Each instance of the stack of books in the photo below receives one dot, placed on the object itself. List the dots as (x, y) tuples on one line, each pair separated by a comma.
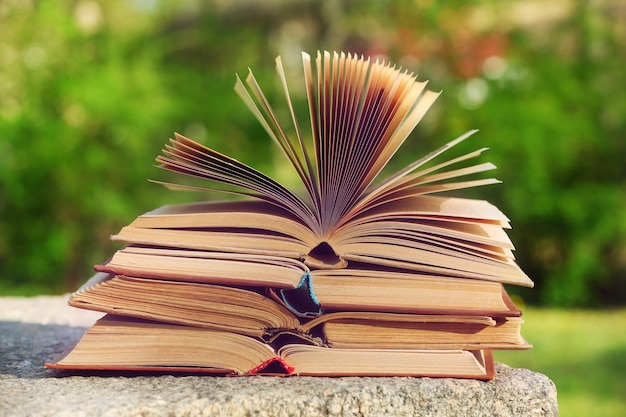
[(359, 273)]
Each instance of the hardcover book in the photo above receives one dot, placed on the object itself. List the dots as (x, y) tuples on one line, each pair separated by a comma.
[(126, 344)]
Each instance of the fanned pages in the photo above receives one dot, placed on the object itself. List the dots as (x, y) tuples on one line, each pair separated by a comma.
[(360, 114)]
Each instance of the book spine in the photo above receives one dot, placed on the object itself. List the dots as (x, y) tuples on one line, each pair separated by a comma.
[(268, 368)]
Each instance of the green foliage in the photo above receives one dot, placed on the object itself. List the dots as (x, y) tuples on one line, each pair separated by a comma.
[(90, 91), (83, 116), (583, 352)]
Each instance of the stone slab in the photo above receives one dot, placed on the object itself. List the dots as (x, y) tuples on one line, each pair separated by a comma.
[(35, 330)]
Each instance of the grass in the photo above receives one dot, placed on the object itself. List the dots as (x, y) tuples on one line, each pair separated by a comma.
[(583, 352)]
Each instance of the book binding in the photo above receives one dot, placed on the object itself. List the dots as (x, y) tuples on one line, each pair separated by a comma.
[(301, 300)]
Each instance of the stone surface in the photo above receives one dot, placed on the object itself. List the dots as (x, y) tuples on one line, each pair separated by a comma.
[(35, 330)]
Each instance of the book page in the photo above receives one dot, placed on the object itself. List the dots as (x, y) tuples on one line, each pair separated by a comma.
[(200, 305), (206, 267)]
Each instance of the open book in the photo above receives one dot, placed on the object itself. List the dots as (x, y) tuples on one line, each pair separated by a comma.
[(313, 292), (360, 114), (250, 312), (127, 344)]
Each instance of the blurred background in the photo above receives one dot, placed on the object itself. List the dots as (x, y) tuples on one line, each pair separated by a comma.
[(91, 90)]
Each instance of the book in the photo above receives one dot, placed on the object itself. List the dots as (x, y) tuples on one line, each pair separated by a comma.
[(359, 272), (127, 344), (389, 331), (434, 237), (360, 114), (312, 292), (249, 312)]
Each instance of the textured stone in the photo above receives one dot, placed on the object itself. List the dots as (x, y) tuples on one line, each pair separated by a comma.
[(35, 330)]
